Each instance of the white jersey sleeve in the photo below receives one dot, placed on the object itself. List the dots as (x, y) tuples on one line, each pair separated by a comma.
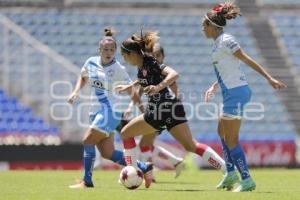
[(84, 70), (124, 75), (231, 44)]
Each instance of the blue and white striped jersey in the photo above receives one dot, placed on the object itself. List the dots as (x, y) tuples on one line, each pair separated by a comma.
[(103, 79)]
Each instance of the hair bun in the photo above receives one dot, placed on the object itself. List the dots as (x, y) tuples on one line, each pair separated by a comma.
[(109, 32)]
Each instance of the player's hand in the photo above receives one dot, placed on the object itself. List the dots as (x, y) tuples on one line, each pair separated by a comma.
[(210, 93), (127, 113), (72, 97), (151, 89), (122, 88), (277, 84)]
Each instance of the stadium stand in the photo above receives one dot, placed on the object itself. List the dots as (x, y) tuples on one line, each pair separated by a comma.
[(19, 125), (74, 33), (278, 2), (288, 29)]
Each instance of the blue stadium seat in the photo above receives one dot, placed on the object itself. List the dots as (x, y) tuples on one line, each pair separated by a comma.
[(186, 50)]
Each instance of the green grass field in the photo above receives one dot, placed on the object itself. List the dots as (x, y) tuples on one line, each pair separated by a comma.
[(281, 184)]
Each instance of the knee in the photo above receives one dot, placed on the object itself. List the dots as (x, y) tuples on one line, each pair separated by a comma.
[(190, 148), (106, 155), (86, 141), (123, 134)]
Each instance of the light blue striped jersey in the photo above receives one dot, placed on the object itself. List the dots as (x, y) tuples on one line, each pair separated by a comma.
[(102, 80)]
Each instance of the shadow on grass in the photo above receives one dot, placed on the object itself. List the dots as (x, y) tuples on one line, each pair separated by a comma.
[(175, 183), (264, 192), (177, 190)]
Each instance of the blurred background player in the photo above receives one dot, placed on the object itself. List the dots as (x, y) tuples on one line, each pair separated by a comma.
[(102, 73), (226, 56), (163, 109)]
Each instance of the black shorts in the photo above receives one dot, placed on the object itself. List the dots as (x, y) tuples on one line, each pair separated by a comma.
[(124, 122), (166, 114)]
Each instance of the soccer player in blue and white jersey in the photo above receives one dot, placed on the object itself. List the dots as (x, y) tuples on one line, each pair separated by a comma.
[(226, 57), (102, 73)]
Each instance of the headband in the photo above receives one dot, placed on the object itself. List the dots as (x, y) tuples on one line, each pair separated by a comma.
[(206, 17)]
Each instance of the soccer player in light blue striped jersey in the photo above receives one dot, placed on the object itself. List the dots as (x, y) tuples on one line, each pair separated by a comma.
[(103, 73), (226, 57)]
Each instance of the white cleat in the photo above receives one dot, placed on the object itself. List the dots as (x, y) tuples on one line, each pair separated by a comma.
[(179, 167)]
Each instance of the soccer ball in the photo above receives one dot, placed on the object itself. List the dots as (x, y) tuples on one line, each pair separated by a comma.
[(131, 178)]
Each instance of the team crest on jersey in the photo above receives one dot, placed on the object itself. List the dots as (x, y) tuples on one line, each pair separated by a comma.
[(144, 72), (110, 73)]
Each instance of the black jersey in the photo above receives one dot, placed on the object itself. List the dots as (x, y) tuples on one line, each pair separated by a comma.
[(150, 74)]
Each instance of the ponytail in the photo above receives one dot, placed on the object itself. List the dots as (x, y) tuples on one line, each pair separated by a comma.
[(222, 12), (141, 44)]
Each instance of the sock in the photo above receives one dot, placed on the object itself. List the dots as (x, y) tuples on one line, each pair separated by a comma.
[(166, 155), (146, 153), (118, 157), (130, 152), (227, 157), (238, 156), (209, 155), (89, 155)]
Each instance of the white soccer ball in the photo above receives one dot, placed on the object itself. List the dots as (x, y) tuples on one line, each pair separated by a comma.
[(131, 177)]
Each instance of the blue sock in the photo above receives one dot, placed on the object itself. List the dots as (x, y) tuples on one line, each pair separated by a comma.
[(89, 155), (142, 166), (227, 157), (238, 156), (118, 157)]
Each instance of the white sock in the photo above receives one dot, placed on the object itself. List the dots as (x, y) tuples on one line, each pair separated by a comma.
[(130, 156), (214, 159), (162, 153), (146, 156)]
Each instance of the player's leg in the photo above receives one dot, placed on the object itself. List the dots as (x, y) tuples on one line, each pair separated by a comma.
[(107, 150), (182, 134), (230, 178), (91, 138), (146, 147), (135, 127), (231, 128)]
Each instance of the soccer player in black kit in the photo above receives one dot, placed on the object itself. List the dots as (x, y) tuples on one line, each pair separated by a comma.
[(163, 108)]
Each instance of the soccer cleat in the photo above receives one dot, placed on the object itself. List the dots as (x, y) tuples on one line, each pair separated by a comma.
[(80, 184), (246, 185), (228, 181), (179, 167)]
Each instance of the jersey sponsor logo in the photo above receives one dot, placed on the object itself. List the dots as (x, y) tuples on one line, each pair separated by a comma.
[(97, 84), (143, 81)]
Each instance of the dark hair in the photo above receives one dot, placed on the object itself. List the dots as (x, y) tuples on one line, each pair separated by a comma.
[(108, 36), (222, 12), (140, 44)]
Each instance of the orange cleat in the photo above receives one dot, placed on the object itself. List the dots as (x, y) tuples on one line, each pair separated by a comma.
[(80, 184), (148, 175)]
